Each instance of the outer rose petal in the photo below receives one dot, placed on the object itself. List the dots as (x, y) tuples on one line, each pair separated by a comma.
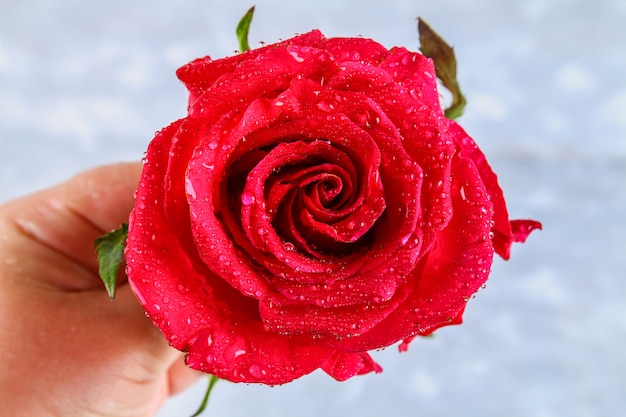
[(342, 366), (201, 73), (362, 50), (503, 236), (521, 229), (416, 73), (265, 77)]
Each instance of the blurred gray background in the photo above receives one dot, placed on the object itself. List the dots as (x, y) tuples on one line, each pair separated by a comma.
[(86, 83)]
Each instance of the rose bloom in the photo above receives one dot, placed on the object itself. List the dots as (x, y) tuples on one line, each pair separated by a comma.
[(315, 204)]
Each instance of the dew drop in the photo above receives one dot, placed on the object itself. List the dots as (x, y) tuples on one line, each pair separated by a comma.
[(247, 198), (256, 371), (407, 59), (189, 189), (295, 56)]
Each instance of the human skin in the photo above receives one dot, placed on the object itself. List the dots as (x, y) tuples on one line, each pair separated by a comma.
[(66, 349)]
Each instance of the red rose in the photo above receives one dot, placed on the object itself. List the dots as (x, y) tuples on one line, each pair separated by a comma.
[(315, 204)]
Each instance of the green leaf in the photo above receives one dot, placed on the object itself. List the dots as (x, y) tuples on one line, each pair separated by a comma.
[(433, 46), (110, 250), (243, 28), (212, 381)]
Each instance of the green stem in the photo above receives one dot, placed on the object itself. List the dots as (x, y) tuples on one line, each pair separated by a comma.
[(212, 381)]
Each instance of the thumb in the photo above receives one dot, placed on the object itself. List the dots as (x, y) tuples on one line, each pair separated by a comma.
[(67, 218)]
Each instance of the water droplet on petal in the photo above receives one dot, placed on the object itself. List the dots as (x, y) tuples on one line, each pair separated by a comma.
[(247, 199), (256, 371), (189, 188), (295, 56)]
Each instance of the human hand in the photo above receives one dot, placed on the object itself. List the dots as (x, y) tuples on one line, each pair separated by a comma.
[(65, 348)]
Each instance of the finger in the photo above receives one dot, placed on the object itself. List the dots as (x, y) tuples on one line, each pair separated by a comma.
[(69, 217), (103, 196), (151, 351), (123, 323), (181, 376)]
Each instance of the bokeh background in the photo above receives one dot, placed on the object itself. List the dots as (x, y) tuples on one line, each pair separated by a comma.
[(86, 83)]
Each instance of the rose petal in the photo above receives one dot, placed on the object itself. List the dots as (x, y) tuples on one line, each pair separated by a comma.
[(521, 229), (416, 73), (200, 74), (266, 76), (456, 267), (503, 235), (343, 366), (362, 50), (359, 77)]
